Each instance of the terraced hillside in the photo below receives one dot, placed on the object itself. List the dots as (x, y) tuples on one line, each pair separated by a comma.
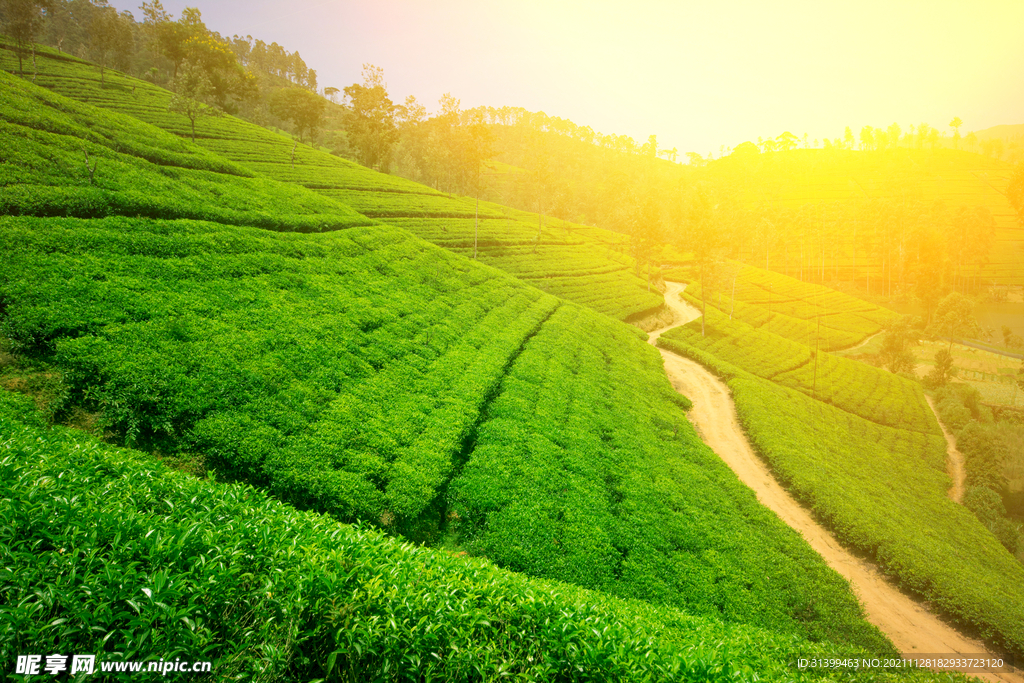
[(290, 595), (861, 449), (575, 262), (813, 315), (371, 375), (65, 159)]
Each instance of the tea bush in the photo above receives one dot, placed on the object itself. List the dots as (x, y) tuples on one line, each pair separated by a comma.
[(104, 551)]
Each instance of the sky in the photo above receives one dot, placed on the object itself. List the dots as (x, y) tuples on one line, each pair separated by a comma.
[(699, 75)]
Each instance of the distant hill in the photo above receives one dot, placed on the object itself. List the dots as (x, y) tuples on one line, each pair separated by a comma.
[(1007, 131), (878, 218)]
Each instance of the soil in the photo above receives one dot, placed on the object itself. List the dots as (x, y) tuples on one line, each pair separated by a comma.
[(907, 622), (954, 461)]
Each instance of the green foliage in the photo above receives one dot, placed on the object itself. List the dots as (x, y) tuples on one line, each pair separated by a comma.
[(22, 20), (988, 507), (273, 354), (106, 552), (31, 112), (294, 362), (953, 413), (896, 354), (993, 453), (192, 89), (585, 470), (942, 371), (361, 373), (955, 316), (110, 36), (302, 107), (807, 313), (370, 121)]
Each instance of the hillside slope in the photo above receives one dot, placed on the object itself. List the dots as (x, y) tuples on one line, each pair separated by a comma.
[(578, 263), (840, 214), (369, 374), (289, 595), (868, 459)]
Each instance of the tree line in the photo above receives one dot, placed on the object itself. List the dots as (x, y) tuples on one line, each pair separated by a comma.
[(209, 73)]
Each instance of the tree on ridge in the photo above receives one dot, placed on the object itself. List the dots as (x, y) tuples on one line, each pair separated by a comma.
[(23, 21), (955, 125), (370, 120)]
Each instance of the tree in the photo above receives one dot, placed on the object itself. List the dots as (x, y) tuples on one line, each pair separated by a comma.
[(895, 354), (922, 135), (300, 106), (892, 135), (170, 37), (943, 370), (644, 230), (191, 91), (786, 141), (866, 137), (216, 59), (704, 237), (955, 316), (111, 36), (848, 140), (971, 234), (62, 22), (23, 19), (929, 276), (650, 148), (955, 125), (370, 120)]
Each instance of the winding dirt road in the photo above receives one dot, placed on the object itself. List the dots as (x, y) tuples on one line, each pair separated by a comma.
[(954, 461), (907, 623)]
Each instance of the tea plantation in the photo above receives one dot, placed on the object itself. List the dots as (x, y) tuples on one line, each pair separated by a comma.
[(434, 216), (869, 460), (363, 373), (869, 392), (811, 314), (65, 158), (105, 551)]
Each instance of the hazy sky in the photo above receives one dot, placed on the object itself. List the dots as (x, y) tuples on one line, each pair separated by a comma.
[(697, 74)]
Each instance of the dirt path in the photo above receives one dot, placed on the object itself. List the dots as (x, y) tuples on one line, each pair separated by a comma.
[(863, 343), (955, 461), (907, 623)]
